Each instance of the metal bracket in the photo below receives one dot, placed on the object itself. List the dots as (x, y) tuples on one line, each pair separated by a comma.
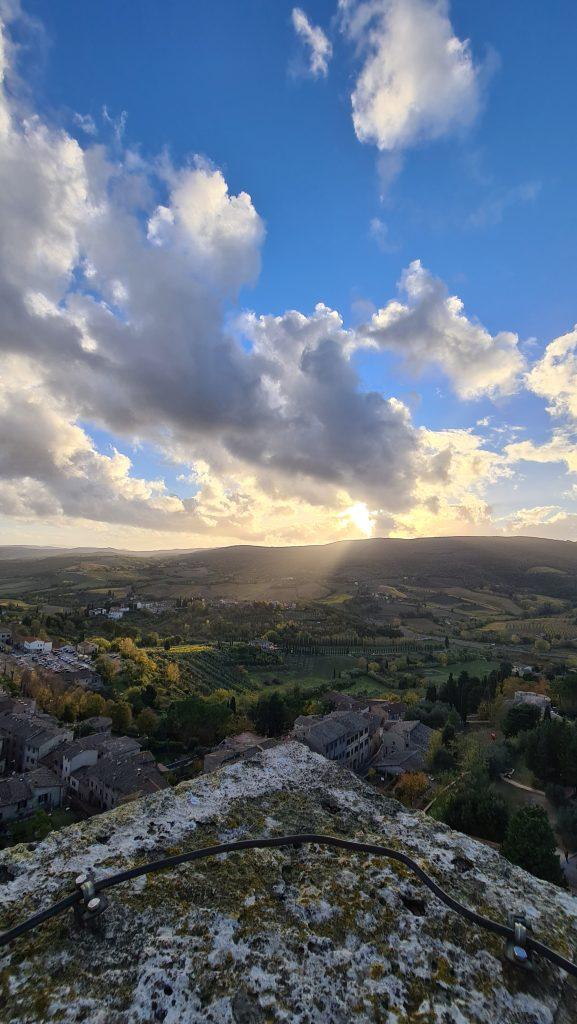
[(516, 948), (90, 908)]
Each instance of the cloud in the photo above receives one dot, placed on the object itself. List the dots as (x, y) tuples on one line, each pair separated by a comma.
[(561, 448), (379, 231), (418, 81), (319, 48), (86, 123), (492, 210), (431, 329), (554, 376), (550, 521), (539, 515), (218, 233), (118, 277)]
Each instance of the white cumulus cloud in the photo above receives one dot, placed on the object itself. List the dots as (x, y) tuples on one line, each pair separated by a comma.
[(419, 81), (554, 376), (431, 328)]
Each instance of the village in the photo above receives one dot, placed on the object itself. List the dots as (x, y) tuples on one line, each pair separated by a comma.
[(107, 702)]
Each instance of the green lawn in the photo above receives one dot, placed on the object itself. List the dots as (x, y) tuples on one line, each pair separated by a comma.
[(309, 673), (480, 667), (371, 688)]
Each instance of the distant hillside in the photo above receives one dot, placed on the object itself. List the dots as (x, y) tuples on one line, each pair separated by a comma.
[(503, 564)]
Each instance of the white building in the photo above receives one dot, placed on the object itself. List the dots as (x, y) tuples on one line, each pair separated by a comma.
[(34, 646), (537, 700), (117, 613)]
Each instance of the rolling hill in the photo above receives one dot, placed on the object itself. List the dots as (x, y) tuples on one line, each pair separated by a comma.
[(502, 564)]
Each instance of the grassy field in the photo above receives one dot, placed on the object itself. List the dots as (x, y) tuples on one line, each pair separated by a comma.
[(480, 667), (308, 673), (371, 688)]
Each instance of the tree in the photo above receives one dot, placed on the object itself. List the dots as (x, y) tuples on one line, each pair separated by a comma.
[(529, 842), (172, 672), (567, 826), (448, 734), (551, 751), (439, 758), (564, 692), (270, 715), (520, 718), (91, 704), (147, 722), (477, 810), (498, 759), (197, 720), (105, 668), (121, 715), (410, 787)]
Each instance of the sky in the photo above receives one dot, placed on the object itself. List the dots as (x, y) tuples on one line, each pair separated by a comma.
[(277, 274)]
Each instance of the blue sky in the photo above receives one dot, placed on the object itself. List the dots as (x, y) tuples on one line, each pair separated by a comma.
[(214, 77), (481, 192)]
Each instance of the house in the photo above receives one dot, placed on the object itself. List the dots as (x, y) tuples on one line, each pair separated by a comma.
[(5, 635), (89, 749), (267, 646), (236, 748), (343, 736), (118, 613), (536, 700), (98, 723), (404, 747), (86, 647), (34, 646), (81, 676), (388, 710), (345, 701), (22, 795), (155, 607), (117, 780), (29, 738)]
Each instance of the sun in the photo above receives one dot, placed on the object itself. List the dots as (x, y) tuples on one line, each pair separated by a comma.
[(359, 515)]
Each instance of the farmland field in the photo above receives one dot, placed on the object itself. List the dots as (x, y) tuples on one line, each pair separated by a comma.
[(548, 626)]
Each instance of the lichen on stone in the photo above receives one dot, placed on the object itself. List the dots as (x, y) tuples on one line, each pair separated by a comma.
[(313, 935)]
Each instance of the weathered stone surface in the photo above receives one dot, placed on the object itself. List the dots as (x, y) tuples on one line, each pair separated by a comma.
[(316, 936)]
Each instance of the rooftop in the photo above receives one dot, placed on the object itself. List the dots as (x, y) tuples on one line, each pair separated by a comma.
[(332, 727)]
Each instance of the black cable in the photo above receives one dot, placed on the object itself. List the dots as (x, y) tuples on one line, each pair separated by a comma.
[(39, 918), (109, 881)]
